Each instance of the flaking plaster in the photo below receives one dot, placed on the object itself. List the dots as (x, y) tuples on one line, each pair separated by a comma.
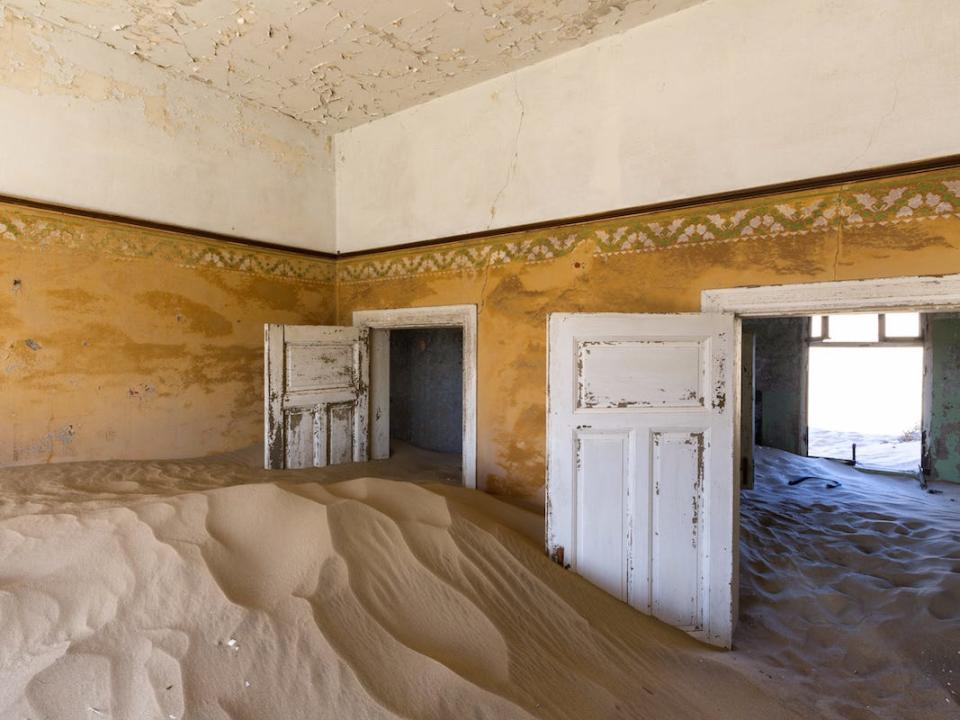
[(87, 126), (339, 63)]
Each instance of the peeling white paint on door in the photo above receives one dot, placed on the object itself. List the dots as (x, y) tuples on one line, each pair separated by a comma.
[(315, 395), (641, 497)]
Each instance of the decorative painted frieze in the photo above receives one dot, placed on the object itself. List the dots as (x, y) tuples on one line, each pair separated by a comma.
[(857, 206), (45, 230), (854, 207)]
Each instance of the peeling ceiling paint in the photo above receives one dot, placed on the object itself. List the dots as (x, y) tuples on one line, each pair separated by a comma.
[(340, 63)]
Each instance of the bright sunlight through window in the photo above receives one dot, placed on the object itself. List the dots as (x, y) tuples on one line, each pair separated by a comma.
[(870, 395)]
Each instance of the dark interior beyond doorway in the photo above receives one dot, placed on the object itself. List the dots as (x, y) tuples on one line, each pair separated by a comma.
[(426, 388), (780, 376)]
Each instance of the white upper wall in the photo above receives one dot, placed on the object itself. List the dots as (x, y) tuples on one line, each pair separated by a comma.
[(89, 126), (728, 94)]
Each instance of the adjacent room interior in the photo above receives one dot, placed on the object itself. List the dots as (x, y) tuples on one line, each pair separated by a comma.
[(874, 390), (842, 513), (426, 389), (512, 359)]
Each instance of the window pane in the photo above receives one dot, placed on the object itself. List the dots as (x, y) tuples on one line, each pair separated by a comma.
[(816, 326), (854, 328), (845, 406), (902, 325)]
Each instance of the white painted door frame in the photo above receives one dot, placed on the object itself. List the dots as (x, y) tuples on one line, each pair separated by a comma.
[(381, 322), (907, 294)]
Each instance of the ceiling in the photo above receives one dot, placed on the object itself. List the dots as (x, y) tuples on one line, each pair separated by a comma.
[(339, 63)]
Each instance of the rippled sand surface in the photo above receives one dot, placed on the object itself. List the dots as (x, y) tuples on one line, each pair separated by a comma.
[(850, 596), (215, 590)]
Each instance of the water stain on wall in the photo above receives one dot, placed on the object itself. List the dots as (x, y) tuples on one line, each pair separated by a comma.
[(197, 317), (247, 290), (76, 299)]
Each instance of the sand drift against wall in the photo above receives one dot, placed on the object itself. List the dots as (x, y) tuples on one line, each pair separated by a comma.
[(142, 590), (215, 591)]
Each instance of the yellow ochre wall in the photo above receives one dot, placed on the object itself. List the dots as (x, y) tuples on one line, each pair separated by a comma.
[(646, 263), (122, 342)]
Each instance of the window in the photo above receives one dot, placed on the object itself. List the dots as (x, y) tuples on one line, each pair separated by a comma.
[(901, 325), (816, 327), (864, 388), (866, 329)]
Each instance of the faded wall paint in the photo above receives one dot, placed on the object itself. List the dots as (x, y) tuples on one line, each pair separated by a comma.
[(118, 342), (426, 388), (85, 125), (649, 263), (780, 379), (722, 96), (944, 439)]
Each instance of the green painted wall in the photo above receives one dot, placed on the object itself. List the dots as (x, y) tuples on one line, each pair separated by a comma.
[(780, 380), (944, 436)]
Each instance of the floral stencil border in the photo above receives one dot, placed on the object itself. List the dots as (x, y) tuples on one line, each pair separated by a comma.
[(843, 208), (37, 229), (852, 207)]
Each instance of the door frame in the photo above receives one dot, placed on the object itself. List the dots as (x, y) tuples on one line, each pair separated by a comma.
[(381, 322), (940, 293), (908, 294)]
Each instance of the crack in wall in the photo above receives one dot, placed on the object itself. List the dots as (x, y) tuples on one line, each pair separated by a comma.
[(512, 170)]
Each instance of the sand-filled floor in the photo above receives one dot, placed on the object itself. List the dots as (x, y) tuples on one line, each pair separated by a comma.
[(215, 590), (850, 596)]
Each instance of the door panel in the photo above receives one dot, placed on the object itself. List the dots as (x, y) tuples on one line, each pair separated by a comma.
[(677, 550), (747, 409), (640, 490), (645, 373), (602, 511), (341, 432), (316, 395), (299, 450)]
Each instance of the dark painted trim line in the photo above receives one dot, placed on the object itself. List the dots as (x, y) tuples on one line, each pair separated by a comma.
[(817, 183), (165, 227), (730, 196)]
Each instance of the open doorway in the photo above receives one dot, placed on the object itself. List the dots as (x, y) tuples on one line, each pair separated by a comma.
[(426, 389), (847, 571), (423, 381), (875, 390)]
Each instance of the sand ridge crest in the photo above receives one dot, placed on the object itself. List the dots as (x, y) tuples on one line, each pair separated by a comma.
[(205, 590)]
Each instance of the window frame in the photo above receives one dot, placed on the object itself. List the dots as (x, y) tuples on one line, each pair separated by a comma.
[(883, 340)]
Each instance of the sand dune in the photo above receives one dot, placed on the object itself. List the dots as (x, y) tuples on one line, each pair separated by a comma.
[(850, 596), (215, 590)]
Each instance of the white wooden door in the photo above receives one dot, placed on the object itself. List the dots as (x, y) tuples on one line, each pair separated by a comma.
[(641, 498), (315, 395)]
